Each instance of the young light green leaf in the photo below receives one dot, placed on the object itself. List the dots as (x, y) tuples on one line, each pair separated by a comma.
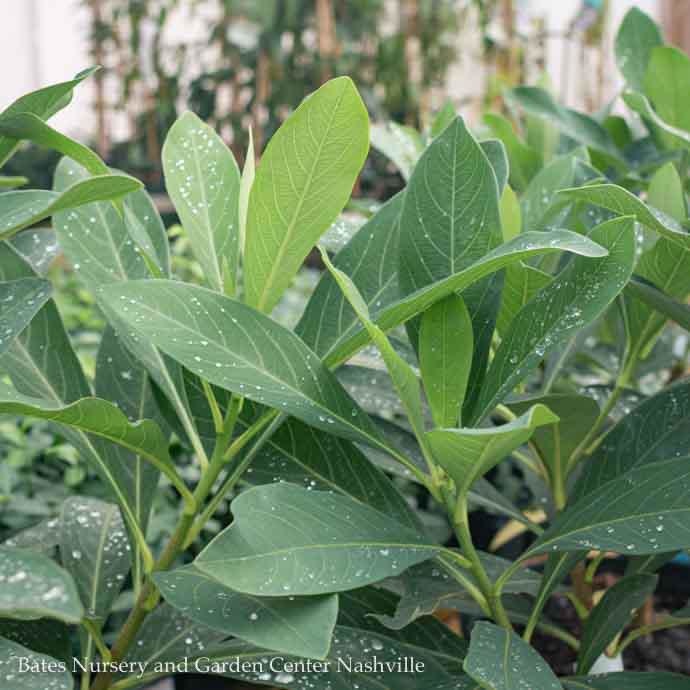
[(22, 209), (522, 247), (203, 181), (637, 36), (654, 431), (21, 300), (450, 221), (304, 180), (95, 550), (328, 318), (300, 626), (14, 658), (241, 350), (500, 660), (623, 202), (576, 297), (401, 144), (611, 614), (495, 151), (286, 540), (44, 103), (246, 183), (644, 511), (467, 454), (34, 586), (445, 357), (640, 104), (511, 215)]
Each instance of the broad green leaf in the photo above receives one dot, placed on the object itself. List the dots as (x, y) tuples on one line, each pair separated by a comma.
[(521, 248), (34, 586), (94, 416), (442, 119), (20, 299), (399, 143), (14, 658), (511, 215), (628, 680), (654, 431), (250, 354), (521, 283), (637, 36), (611, 614), (38, 248), (623, 202), (676, 136), (44, 103), (657, 300), (450, 220), (578, 126), (577, 296), (303, 455), (664, 264), (352, 653), (203, 181), (665, 84), (146, 228), (42, 365), (304, 180), (43, 537), (432, 585), (445, 357), (525, 162), (555, 443), (328, 318), (43, 635), (168, 636), (95, 550), (32, 128), (22, 209), (467, 454), (246, 183), (495, 151), (300, 626), (286, 540), (500, 660), (644, 511)]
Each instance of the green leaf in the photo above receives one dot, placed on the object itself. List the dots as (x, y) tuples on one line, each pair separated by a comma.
[(666, 192), (21, 300), (657, 300), (522, 282), (304, 180), (286, 540), (525, 162), (433, 585), (450, 220), (637, 36), (578, 126), (665, 84), (511, 216), (623, 202), (95, 550), (22, 209), (644, 511), (611, 614), (328, 318), (38, 248), (445, 357), (300, 626), (44, 103), (43, 537), (34, 586), (168, 636), (14, 658), (43, 635), (522, 247), (32, 128), (146, 228), (677, 138), (467, 454), (577, 296), (500, 660), (495, 151), (654, 431), (251, 355), (629, 680), (303, 455), (203, 181), (401, 144), (246, 183)]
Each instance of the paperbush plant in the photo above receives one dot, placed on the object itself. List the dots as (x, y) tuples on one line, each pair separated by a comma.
[(506, 307)]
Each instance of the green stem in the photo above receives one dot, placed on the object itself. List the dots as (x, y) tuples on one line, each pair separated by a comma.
[(95, 635), (648, 629)]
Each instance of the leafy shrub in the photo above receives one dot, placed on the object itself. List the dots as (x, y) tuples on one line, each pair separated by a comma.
[(507, 303)]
